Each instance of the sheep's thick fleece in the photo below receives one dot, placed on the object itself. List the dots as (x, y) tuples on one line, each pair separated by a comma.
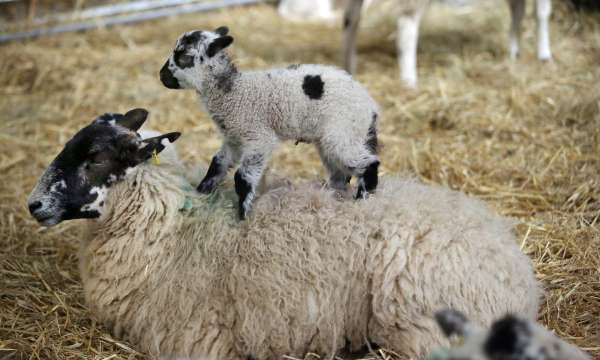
[(306, 272)]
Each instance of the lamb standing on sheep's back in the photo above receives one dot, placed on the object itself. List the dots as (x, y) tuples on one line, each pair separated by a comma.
[(255, 111), (176, 274)]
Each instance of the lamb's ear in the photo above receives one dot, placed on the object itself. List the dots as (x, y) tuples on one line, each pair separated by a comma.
[(218, 44), (133, 119), (222, 30), (452, 322), (155, 144)]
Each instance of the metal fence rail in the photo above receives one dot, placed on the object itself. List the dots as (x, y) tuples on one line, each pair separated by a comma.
[(185, 7)]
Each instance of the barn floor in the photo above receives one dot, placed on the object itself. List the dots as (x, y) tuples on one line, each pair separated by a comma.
[(524, 136)]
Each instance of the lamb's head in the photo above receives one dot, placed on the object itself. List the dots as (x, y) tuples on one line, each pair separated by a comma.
[(76, 183), (509, 338), (194, 53)]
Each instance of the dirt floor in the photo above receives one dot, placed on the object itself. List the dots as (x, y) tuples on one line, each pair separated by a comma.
[(524, 136)]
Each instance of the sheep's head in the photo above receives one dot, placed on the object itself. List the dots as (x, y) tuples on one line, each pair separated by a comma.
[(509, 338), (75, 184), (194, 51)]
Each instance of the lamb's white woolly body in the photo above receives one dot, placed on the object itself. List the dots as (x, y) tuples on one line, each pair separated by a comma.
[(306, 272), (263, 108)]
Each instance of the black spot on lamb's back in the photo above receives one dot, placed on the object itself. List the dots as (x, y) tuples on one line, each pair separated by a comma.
[(293, 67), (313, 86)]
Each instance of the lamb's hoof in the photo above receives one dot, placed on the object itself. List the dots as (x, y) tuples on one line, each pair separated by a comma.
[(242, 214), (361, 194), (207, 186)]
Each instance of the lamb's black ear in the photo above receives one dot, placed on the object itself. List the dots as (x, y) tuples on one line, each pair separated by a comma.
[(222, 30), (451, 322), (133, 119), (153, 144), (218, 44)]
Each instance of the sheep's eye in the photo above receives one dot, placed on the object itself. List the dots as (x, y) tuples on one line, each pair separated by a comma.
[(183, 60), (96, 159)]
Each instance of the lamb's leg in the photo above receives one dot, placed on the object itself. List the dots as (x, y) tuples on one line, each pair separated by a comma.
[(543, 11), (223, 160), (407, 41), (517, 11), (247, 179), (338, 178), (351, 21), (367, 182)]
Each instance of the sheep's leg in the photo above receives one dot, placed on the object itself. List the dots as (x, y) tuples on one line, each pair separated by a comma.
[(351, 21), (408, 38), (367, 181), (543, 11), (223, 160), (338, 178), (517, 11), (247, 179)]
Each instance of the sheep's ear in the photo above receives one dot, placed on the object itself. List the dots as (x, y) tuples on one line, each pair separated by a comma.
[(218, 44), (451, 322), (133, 119), (155, 145), (222, 30)]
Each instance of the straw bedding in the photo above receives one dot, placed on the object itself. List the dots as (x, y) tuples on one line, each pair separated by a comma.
[(523, 136)]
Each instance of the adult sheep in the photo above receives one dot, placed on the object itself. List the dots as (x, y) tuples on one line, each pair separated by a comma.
[(176, 274)]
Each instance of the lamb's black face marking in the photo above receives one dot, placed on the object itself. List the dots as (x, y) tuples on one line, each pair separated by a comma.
[(75, 184), (167, 78), (313, 86), (508, 337)]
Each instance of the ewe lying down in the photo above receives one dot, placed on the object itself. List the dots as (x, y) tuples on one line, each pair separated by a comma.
[(176, 274)]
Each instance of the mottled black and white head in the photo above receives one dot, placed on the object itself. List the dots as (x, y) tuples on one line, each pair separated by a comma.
[(509, 338), (194, 52), (76, 183)]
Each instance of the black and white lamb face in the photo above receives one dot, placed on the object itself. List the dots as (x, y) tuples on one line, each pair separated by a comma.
[(509, 338), (76, 183), (194, 51)]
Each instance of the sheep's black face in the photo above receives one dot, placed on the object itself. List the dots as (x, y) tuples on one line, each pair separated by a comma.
[(76, 183), (193, 50)]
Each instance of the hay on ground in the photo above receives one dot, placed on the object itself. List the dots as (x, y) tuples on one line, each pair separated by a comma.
[(524, 136)]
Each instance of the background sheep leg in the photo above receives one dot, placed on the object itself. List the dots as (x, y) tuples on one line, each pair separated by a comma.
[(220, 164), (247, 179), (543, 11), (351, 21), (517, 11), (407, 41)]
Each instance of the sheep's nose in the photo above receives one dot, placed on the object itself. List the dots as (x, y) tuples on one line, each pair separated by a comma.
[(33, 206)]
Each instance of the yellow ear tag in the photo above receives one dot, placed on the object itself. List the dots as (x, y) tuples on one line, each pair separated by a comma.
[(155, 157)]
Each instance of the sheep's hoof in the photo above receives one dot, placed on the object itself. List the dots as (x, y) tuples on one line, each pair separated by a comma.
[(207, 186), (242, 213)]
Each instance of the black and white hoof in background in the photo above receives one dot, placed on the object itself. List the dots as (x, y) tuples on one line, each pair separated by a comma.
[(367, 183)]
